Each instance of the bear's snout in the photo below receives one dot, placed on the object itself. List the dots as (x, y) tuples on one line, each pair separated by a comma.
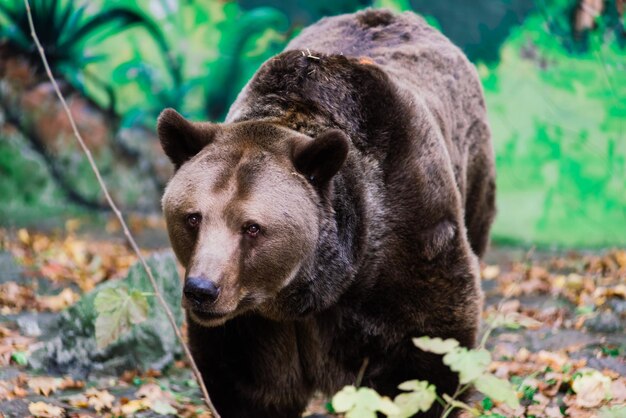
[(200, 291)]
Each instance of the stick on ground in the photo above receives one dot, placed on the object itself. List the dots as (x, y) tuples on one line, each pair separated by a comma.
[(118, 214)]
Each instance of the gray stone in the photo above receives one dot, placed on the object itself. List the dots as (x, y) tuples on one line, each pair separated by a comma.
[(149, 345), (28, 325), (9, 270), (15, 408), (604, 323), (618, 306)]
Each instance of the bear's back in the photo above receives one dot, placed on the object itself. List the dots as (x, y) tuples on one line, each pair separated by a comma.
[(432, 73), (418, 58)]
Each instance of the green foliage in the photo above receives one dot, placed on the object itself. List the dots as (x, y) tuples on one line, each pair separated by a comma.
[(420, 397), (20, 358), (528, 392), (497, 389), (487, 403), (470, 364), (118, 309), (436, 345), (472, 368), (362, 403)]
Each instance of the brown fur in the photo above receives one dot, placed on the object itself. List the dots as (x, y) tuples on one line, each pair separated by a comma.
[(368, 166)]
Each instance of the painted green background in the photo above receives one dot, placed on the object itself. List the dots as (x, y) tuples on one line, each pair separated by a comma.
[(557, 102)]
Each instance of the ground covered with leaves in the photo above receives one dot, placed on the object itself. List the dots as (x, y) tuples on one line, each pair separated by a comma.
[(568, 361)]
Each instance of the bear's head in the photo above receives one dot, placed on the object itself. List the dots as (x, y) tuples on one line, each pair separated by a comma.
[(247, 214)]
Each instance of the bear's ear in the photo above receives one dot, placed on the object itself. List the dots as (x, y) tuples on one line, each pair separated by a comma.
[(320, 159), (181, 139)]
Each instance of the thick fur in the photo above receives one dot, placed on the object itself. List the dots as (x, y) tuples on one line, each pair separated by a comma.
[(393, 204)]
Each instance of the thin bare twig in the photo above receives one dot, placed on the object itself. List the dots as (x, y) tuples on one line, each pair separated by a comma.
[(359, 377), (118, 214)]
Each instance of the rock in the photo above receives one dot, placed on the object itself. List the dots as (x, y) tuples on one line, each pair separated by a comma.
[(605, 323), (15, 408), (618, 306), (28, 325), (9, 268), (149, 345)]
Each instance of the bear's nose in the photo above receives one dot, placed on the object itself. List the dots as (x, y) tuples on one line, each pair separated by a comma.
[(199, 290)]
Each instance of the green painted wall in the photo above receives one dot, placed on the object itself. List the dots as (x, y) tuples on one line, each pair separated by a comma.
[(557, 102)]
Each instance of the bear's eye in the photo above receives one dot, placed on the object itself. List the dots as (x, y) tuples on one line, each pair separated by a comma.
[(253, 230), (193, 220)]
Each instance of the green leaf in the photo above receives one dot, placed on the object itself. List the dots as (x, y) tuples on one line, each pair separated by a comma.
[(421, 397), (344, 400), (528, 392), (499, 389), (461, 405), (19, 357), (487, 403), (436, 345), (362, 402), (470, 364), (367, 398), (387, 406), (117, 310), (361, 412)]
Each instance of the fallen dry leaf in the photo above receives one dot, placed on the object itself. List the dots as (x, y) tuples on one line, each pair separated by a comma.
[(592, 388), (78, 401), (153, 392), (44, 385), (135, 405), (99, 399), (618, 391), (490, 272), (69, 383), (44, 410), (56, 303)]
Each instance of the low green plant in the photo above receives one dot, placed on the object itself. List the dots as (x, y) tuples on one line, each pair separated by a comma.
[(419, 396), (118, 309)]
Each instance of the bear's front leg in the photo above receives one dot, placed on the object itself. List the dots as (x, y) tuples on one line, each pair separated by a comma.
[(251, 367)]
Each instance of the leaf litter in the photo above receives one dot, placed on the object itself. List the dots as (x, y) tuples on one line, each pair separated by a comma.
[(556, 294)]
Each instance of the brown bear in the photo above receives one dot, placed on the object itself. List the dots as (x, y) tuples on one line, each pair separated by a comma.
[(338, 212)]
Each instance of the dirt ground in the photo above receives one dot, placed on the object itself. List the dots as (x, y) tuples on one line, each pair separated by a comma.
[(578, 296)]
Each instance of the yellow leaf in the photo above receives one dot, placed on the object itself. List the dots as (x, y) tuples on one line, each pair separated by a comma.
[(135, 405), (79, 401), (23, 235)]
